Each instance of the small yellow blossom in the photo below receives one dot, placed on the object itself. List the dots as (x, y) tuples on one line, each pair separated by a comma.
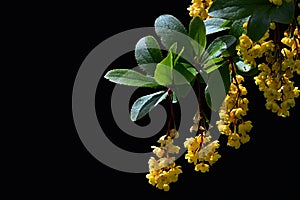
[(202, 167), (199, 8), (163, 171), (236, 106), (201, 151)]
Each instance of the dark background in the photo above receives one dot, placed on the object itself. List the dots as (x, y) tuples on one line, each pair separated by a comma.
[(264, 166)]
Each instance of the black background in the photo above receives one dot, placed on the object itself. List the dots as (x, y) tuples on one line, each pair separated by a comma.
[(266, 165)]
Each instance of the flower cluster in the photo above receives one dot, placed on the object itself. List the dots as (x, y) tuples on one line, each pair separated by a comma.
[(201, 151), (274, 79), (200, 8), (251, 51), (277, 61), (163, 171), (232, 112)]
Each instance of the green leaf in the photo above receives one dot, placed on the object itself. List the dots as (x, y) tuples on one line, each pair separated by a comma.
[(235, 9), (197, 32), (166, 27), (148, 68), (216, 88), (283, 14), (259, 23), (191, 69), (145, 104), (130, 78), (226, 76), (207, 97), (147, 50), (163, 73), (218, 46), (147, 54), (170, 71), (170, 22), (175, 54), (171, 30), (261, 13), (214, 25)]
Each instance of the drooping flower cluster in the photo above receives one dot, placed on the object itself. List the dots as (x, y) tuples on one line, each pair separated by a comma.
[(163, 169), (250, 51), (275, 78), (277, 61), (199, 8), (232, 112), (201, 151)]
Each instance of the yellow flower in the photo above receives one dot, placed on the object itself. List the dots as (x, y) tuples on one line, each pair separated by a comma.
[(250, 50), (192, 143), (159, 152), (272, 105), (245, 41), (164, 171), (151, 178), (202, 167), (191, 157), (245, 127), (199, 8), (213, 158), (245, 138), (201, 151), (234, 140)]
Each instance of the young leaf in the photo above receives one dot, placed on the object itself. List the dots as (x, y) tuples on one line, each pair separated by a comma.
[(130, 78), (163, 73), (177, 56), (197, 32), (145, 104), (147, 54)]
